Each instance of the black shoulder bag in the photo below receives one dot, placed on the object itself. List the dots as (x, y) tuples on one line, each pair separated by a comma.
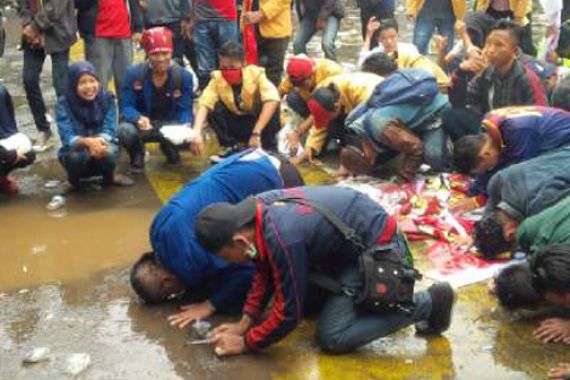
[(388, 280)]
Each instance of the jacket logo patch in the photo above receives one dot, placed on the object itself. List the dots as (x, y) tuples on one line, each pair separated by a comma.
[(177, 93), (137, 85)]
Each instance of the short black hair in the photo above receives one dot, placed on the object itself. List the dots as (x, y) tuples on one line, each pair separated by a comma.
[(466, 152), (550, 267), (327, 96), (488, 236), (231, 49), (387, 23), (514, 30), (147, 263), (380, 64), (514, 287), (561, 94)]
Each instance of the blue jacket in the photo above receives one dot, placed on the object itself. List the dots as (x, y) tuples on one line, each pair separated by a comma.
[(173, 237), (136, 94), (70, 130), (524, 133), (527, 188), (295, 240)]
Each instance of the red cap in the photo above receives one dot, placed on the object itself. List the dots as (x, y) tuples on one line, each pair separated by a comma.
[(321, 116), (300, 68), (157, 39)]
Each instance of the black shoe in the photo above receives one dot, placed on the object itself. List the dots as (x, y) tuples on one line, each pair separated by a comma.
[(442, 301), (137, 163), (171, 153), (224, 153)]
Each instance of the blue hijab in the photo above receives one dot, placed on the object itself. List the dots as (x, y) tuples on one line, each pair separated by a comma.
[(89, 113)]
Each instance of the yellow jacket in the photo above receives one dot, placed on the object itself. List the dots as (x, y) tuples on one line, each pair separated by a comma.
[(354, 88), (324, 68), (255, 90), (413, 7), (520, 8), (277, 22), (422, 62)]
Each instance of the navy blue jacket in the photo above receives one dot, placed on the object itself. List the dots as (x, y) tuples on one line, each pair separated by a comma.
[(136, 94), (173, 237), (524, 133), (294, 240), (527, 188), (7, 125)]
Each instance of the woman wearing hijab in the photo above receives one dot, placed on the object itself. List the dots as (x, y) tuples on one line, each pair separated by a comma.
[(87, 121)]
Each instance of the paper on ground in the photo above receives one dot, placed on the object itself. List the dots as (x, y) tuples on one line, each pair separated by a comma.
[(178, 134), (18, 142), (467, 276)]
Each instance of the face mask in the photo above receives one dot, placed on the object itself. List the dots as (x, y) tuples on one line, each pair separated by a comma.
[(232, 76), (251, 251)]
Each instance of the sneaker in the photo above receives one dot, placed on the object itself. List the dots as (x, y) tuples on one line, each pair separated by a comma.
[(442, 300), (8, 186), (137, 163), (224, 153), (43, 142), (119, 180), (354, 162)]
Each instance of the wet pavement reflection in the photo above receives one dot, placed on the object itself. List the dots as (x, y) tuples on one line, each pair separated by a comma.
[(64, 285)]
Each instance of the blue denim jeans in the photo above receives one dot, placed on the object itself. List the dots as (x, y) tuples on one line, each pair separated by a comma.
[(308, 28), (436, 152), (33, 63), (111, 58), (425, 26), (79, 164), (208, 37), (342, 327)]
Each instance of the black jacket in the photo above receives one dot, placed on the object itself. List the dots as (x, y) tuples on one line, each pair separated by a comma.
[(55, 19)]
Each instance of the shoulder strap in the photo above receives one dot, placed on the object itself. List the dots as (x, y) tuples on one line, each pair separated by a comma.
[(348, 232), (177, 77)]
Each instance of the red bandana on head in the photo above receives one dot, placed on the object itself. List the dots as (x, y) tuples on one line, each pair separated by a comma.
[(157, 39), (321, 116), (300, 68)]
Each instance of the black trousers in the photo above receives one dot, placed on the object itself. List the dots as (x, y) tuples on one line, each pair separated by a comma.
[(232, 129), (271, 53), (5, 168)]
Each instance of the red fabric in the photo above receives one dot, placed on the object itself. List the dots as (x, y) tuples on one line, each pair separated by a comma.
[(224, 8), (321, 116), (157, 39), (537, 89), (300, 68), (250, 53), (254, 303), (232, 76), (113, 20), (389, 231)]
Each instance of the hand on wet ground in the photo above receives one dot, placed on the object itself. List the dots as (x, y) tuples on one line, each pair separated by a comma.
[(560, 372), (191, 313), (553, 330), (228, 343)]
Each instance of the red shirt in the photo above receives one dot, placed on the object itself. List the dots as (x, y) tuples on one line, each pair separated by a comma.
[(113, 19)]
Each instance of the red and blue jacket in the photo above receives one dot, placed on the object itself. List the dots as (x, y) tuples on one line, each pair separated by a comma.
[(523, 133), (294, 240)]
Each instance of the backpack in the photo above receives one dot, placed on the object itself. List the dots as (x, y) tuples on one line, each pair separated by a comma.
[(416, 87), (177, 77)]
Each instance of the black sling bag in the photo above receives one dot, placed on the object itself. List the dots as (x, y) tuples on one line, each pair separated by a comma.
[(388, 280)]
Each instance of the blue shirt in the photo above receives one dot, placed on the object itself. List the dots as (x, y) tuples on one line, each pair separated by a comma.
[(173, 236)]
